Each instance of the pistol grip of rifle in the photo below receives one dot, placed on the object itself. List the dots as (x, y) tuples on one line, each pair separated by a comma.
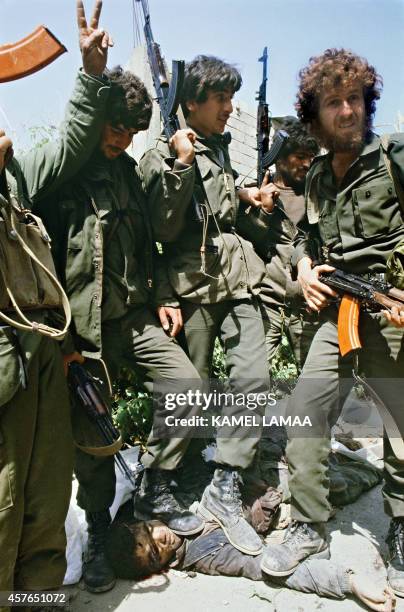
[(348, 325)]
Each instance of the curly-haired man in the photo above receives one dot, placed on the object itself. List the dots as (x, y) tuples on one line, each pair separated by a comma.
[(354, 217)]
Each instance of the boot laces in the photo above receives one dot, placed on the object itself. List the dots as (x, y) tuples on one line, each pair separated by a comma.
[(232, 493), (396, 539), (298, 533), (165, 495), (97, 535), (167, 499)]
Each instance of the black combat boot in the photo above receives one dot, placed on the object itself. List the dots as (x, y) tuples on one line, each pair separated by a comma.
[(155, 500), (221, 502), (302, 540), (98, 575), (395, 567), (192, 477)]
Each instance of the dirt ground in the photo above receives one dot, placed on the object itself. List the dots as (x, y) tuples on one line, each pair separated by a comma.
[(357, 533)]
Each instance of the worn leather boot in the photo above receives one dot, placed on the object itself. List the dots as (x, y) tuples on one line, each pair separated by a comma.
[(155, 500), (192, 477), (302, 540), (221, 503), (98, 575), (395, 566)]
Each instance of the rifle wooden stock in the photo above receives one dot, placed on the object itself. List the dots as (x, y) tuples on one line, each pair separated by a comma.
[(29, 54), (387, 302), (397, 294), (348, 325)]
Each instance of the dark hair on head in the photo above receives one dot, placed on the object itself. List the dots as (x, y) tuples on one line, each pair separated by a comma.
[(335, 68), (300, 138), (208, 73), (129, 101), (132, 551)]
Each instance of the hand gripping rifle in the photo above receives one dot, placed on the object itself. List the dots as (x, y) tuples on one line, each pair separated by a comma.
[(357, 291), (84, 387), (168, 94), (266, 158)]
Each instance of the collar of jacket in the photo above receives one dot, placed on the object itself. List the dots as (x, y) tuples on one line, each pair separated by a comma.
[(319, 166), (101, 169), (211, 143)]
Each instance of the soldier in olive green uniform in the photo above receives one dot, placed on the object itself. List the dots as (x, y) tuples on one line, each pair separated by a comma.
[(353, 214), (105, 253), (36, 446), (272, 232), (214, 272)]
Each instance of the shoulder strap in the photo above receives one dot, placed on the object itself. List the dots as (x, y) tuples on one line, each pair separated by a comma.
[(385, 141), (27, 324), (312, 207)]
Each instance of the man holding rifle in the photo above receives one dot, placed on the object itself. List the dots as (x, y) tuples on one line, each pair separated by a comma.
[(271, 228), (354, 218), (213, 271)]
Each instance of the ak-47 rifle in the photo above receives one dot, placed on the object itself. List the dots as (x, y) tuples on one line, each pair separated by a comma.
[(266, 158), (84, 386), (357, 291), (29, 54), (168, 93)]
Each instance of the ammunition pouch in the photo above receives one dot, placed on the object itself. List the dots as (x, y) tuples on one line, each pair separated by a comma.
[(28, 279)]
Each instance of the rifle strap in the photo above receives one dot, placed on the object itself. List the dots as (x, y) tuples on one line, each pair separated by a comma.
[(391, 428), (26, 324), (102, 451), (385, 140)]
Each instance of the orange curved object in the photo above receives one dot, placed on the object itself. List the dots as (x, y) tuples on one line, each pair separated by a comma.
[(348, 325), (29, 54)]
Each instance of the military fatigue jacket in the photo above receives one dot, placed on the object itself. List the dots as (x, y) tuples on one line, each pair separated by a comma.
[(355, 225), (103, 246), (38, 174), (233, 269), (272, 235)]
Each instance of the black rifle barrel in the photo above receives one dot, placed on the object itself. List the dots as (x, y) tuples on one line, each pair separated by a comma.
[(263, 122), (168, 94)]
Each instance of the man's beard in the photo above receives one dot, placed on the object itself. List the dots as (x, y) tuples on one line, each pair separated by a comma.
[(344, 143), (296, 184)]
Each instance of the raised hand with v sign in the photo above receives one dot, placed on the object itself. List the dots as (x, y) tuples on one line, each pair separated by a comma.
[(94, 41)]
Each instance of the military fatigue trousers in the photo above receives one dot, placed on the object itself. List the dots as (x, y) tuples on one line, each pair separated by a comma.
[(298, 329), (36, 464), (239, 326), (320, 393), (136, 340)]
